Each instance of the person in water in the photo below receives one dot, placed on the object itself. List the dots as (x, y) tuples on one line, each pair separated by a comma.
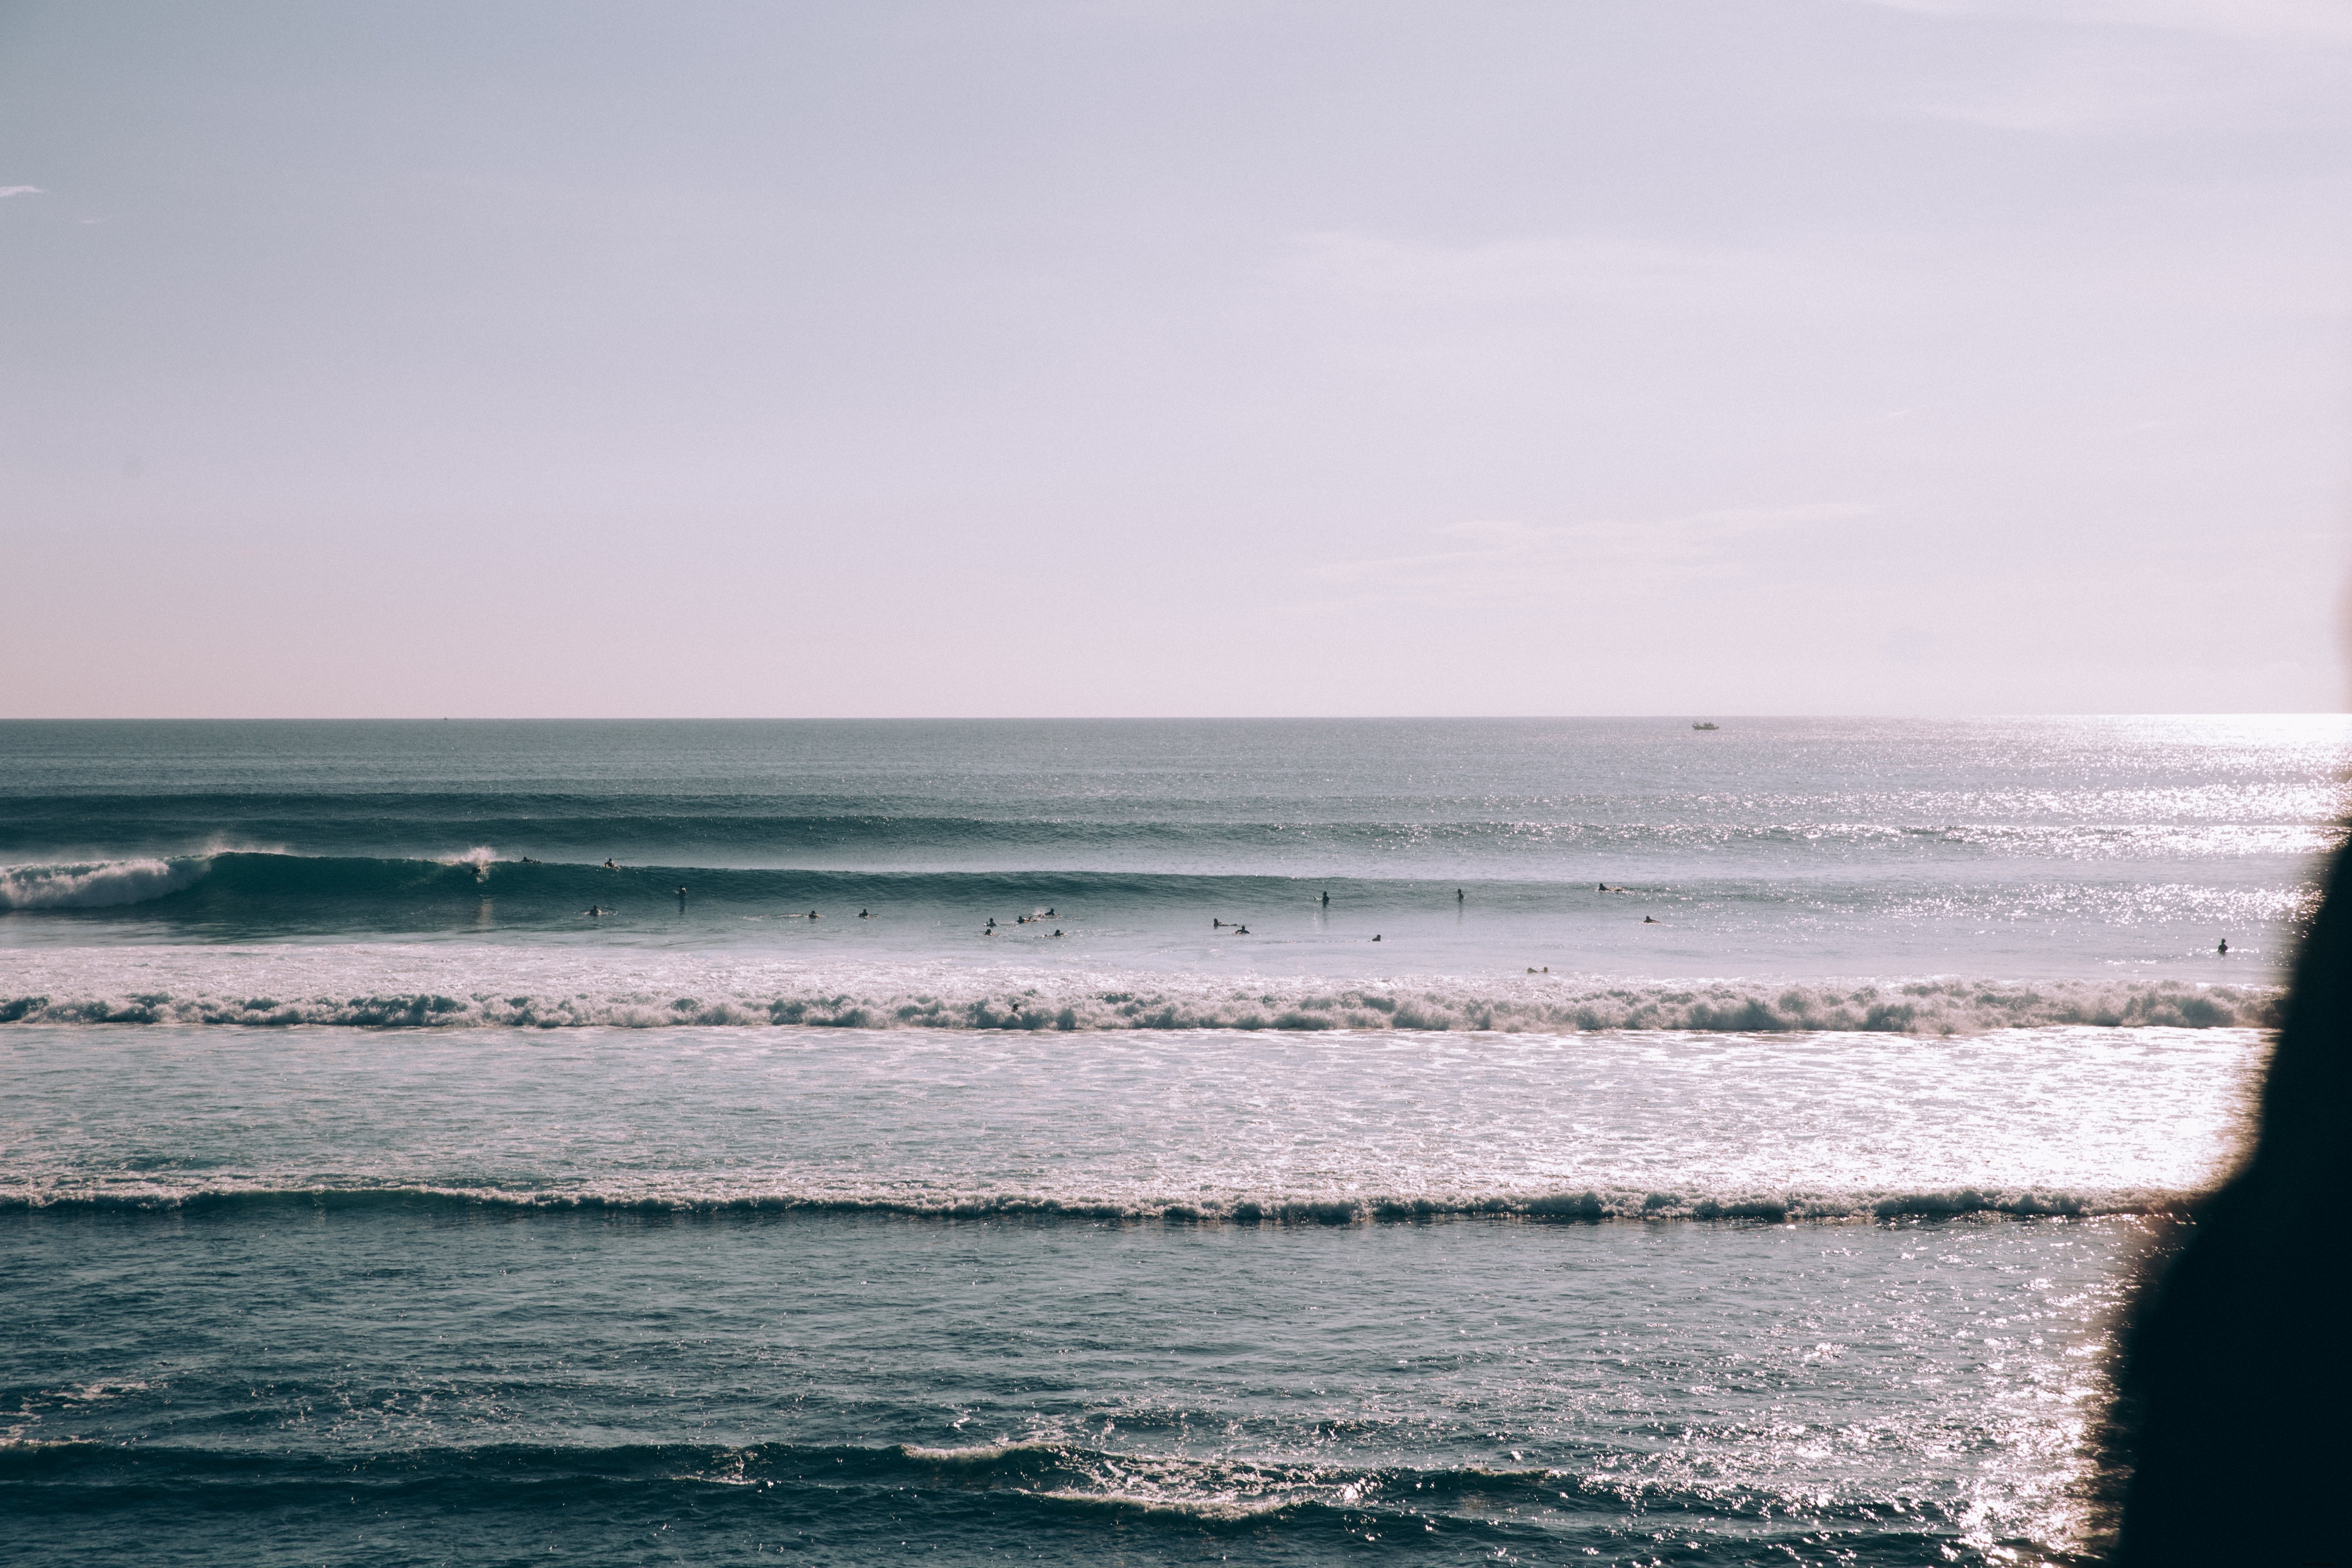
[(1057, 930), (591, 910), (812, 914), (1649, 920), (1376, 936), (865, 915), (1326, 899), (610, 867), (2224, 949), (1457, 895), (1240, 930)]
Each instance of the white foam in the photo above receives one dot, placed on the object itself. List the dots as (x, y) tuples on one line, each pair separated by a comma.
[(1316, 1129), (381, 986)]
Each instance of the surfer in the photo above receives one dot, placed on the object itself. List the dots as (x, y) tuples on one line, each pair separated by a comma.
[(1649, 920), (1240, 930), (1057, 930), (812, 914), (1376, 936), (2224, 949), (1216, 924), (610, 867), (864, 915), (1326, 899), (1457, 895), (1049, 914), (591, 910), (681, 892)]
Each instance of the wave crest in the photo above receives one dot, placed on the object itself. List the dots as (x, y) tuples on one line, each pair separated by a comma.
[(1771, 1206), (1938, 1006), (97, 884)]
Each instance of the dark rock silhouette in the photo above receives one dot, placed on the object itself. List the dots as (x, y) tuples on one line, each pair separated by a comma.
[(2232, 1427)]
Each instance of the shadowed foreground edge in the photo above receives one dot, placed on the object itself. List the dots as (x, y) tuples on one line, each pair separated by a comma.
[(2235, 1404)]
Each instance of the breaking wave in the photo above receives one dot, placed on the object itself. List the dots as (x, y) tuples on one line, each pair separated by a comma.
[(97, 884), (1062, 1492), (982, 1000), (677, 1196)]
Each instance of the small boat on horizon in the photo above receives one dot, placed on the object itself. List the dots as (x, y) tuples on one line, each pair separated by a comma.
[(1704, 725)]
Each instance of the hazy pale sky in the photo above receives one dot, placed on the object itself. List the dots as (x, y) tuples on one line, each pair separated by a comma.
[(1763, 356)]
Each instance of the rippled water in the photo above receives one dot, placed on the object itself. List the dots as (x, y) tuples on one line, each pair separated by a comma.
[(690, 1294)]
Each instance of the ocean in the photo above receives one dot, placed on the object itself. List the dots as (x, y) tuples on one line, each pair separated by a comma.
[(1561, 1142)]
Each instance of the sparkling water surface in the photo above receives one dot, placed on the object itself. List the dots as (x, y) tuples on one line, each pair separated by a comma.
[(1734, 1150)]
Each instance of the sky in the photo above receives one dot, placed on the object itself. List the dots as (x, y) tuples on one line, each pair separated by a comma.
[(1586, 357)]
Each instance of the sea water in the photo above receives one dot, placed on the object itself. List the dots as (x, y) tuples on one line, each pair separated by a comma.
[(1732, 1148)]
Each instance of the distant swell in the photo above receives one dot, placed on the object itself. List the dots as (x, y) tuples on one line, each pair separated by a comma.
[(979, 1000)]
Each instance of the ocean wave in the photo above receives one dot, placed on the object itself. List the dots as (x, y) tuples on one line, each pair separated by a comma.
[(1046, 1481), (97, 884), (999, 1000), (1591, 1205)]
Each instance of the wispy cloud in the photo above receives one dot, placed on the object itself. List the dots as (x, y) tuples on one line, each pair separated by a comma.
[(1498, 562), (22, 191), (2164, 66), (1519, 268), (2286, 20)]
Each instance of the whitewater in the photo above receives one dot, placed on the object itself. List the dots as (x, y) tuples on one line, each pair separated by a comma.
[(1564, 1141)]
